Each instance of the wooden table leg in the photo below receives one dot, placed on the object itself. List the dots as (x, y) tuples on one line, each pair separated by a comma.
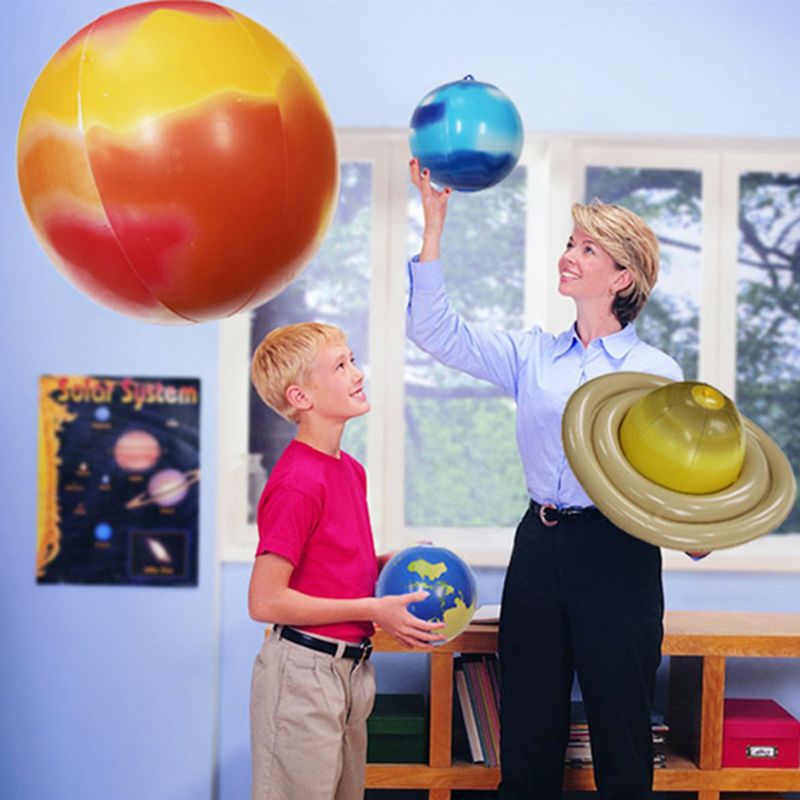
[(440, 750), (712, 713)]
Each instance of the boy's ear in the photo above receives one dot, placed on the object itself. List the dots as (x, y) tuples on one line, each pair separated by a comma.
[(297, 398)]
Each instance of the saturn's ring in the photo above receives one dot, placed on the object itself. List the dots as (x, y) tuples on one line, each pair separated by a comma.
[(146, 498), (754, 504)]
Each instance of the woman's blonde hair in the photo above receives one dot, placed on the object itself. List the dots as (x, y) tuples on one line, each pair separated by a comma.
[(284, 356), (628, 239)]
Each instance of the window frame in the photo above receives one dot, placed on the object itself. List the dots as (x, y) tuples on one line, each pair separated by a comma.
[(556, 168)]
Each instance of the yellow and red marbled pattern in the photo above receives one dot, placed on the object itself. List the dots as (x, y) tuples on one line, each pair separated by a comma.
[(177, 162)]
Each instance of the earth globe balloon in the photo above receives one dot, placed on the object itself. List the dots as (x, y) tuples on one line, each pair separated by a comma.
[(468, 134), (448, 579)]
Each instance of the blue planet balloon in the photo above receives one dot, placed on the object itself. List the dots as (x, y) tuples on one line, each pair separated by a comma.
[(468, 134), (450, 583)]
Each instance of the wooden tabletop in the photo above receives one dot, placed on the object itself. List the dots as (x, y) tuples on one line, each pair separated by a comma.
[(686, 633), (731, 633)]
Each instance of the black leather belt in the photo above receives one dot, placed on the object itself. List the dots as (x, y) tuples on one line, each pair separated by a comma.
[(550, 516), (358, 652)]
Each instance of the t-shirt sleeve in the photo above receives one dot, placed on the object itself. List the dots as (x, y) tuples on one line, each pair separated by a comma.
[(286, 518), (361, 473)]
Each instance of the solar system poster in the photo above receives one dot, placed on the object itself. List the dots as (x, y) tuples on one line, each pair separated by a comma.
[(118, 480)]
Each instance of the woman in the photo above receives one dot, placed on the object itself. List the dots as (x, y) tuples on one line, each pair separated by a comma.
[(580, 596)]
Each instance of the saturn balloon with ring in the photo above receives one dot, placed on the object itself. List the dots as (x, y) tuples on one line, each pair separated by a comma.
[(674, 463)]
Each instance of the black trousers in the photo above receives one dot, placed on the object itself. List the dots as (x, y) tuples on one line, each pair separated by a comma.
[(581, 597)]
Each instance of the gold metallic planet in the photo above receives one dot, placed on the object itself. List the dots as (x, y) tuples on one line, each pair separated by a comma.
[(680, 434), (684, 436)]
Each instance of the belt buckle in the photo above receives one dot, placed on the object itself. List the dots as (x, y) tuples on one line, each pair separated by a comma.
[(366, 650), (548, 523)]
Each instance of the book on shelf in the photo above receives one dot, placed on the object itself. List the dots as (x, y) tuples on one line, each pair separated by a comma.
[(488, 614), (467, 712), (477, 687), (579, 752), (477, 692), (489, 700), (473, 666)]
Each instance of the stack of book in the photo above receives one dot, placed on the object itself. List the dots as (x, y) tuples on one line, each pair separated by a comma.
[(477, 687), (579, 752)]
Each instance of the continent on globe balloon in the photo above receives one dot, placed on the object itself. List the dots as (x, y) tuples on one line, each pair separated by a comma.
[(448, 579)]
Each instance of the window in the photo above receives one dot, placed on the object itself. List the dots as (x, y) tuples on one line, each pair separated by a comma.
[(462, 468), (768, 310), (439, 447), (670, 200), (333, 288)]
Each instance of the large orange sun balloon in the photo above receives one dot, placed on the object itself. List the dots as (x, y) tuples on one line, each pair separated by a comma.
[(177, 162)]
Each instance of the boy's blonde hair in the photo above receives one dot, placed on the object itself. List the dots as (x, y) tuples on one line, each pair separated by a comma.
[(284, 357), (628, 239)]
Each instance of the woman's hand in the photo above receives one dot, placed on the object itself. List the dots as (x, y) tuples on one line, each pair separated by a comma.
[(434, 207), (393, 616)]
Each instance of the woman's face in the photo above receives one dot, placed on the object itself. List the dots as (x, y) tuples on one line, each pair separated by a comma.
[(587, 272)]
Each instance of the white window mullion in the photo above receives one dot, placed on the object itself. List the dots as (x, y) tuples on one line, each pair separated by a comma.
[(721, 308), (377, 150), (390, 316), (563, 191), (235, 538), (715, 304)]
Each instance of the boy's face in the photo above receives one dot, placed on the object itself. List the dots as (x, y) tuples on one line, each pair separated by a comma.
[(335, 385)]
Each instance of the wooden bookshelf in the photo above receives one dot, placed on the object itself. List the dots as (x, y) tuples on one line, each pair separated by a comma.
[(698, 644)]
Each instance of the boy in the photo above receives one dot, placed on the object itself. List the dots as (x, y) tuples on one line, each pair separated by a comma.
[(314, 577)]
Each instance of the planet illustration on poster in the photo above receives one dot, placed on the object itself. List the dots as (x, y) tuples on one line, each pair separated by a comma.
[(167, 488), (136, 451), (103, 532)]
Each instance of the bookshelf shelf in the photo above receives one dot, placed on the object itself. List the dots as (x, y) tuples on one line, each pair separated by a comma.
[(698, 644)]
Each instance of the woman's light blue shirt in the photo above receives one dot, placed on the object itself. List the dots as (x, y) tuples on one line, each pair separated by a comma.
[(539, 370)]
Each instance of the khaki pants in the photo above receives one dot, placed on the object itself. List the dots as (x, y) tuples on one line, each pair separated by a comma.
[(308, 723)]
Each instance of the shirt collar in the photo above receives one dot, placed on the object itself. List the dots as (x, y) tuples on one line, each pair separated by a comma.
[(565, 341), (617, 345)]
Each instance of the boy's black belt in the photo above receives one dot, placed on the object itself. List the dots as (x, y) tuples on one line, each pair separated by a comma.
[(358, 652), (550, 516)]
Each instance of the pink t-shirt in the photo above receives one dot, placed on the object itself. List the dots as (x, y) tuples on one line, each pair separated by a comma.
[(313, 512)]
